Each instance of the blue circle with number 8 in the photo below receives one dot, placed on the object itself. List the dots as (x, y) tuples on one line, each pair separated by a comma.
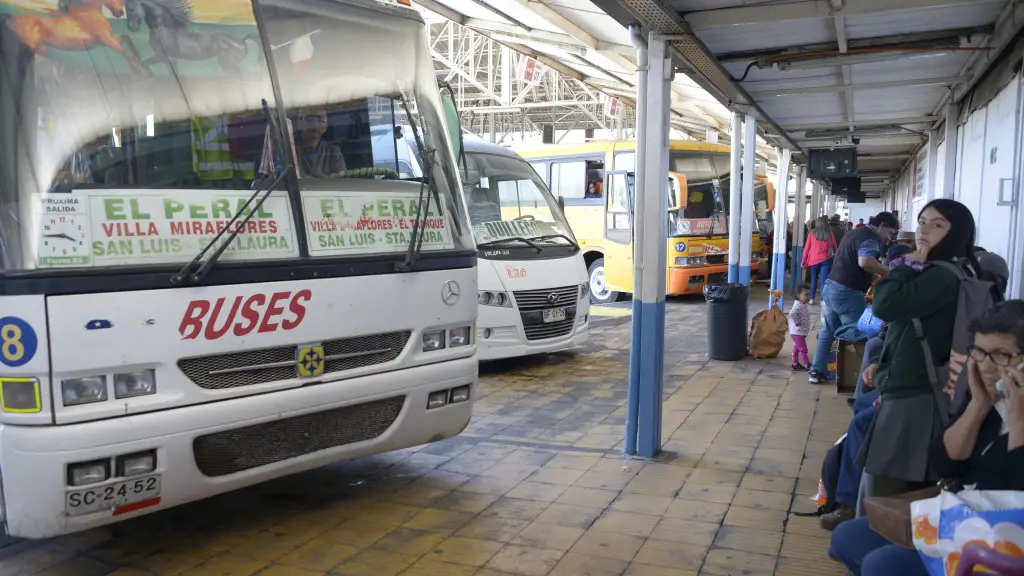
[(18, 342)]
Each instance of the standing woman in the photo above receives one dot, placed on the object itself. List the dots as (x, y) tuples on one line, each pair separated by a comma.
[(895, 450), (821, 245)]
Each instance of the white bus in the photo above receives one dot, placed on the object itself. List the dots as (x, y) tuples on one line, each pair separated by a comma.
[(534, 292), (205, 280)]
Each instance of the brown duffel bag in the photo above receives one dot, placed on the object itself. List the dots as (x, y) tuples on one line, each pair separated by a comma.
[(889, 516)]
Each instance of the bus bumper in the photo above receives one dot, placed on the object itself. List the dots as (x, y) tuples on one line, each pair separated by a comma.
[(500, 334), (691, 280), (34, 460)]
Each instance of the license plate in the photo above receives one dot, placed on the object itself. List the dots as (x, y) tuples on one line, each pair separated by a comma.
[(553, 315), (112, 495)]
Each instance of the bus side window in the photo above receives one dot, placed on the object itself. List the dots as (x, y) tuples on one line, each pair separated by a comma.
[(569, 179), (595, 179), (622, 161), (542, 171)]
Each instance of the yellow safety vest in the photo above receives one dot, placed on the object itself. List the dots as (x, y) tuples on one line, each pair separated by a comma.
[(211, 154)]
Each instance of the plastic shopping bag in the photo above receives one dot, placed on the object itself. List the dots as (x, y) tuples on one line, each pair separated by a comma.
[(946, 524), (869, 324)]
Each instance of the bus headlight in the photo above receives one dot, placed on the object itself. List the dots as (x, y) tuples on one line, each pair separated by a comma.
[(84, 390), (135, 464), (84, 473), (488, 298), (433, 340), (691, 261), (459, 336), (132, 384)]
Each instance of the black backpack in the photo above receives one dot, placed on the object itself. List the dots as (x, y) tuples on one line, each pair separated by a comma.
[(829, 479)]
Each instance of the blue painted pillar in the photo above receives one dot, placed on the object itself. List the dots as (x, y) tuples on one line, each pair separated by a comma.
[(747, 202), (640, 181), (781, 223), (648, 345), (736, 205), (796, 273)]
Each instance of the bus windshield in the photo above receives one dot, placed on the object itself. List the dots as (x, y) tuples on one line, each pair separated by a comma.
[(707, 204), (506, 199), (138, 146)]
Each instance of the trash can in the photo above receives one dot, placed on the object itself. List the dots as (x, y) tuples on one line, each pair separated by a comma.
[(727, 320)]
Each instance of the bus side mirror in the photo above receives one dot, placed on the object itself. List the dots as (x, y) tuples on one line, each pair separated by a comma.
[(561, 203), (677, 191), (451, 119)]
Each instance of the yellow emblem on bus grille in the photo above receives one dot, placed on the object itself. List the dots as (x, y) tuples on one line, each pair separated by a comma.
[(310, 360)]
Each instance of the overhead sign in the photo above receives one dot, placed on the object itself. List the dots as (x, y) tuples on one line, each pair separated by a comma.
[(526, 69), (352, 223), (703, 226), (612, 107), (92, 228)]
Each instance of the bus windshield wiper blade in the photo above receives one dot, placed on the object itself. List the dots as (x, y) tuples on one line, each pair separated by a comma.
[(494, 243), (562, 236), (428, 188), (193, 272)]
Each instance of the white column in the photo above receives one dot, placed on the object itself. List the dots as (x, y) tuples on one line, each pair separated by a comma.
[(932, 165), (735, 200), (778, 277), (747, 210), (950, 152)]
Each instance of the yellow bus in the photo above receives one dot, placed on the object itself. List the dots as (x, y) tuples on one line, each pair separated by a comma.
[(591, 180)]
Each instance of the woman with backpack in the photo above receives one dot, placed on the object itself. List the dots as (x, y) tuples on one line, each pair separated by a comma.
[(919, 288), (820, 246)]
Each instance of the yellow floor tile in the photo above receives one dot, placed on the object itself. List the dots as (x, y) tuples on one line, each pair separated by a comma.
[(228, 565), (357, 533), (493, 528), (516, 509), (554, 475), (552, 536), (767, 483), (608, 545), (642, 504), (707, 493), (410, 541), (590, 497), (670, 555), (432, 567), (685, 531), (749, 540), (572, 516), (697, 510), (281, 570), (654, 486), (762, 499), (468, 502), (636, 569), (715, 477), (77, 566), (527, 561), (604, 480), (319, 554), (626, 523), (437, 519), (723, 562), (375, 563), (755, 518), (466, 551), (588, 565), (540, 491)]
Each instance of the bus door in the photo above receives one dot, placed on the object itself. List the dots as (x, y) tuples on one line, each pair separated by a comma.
[(618, 230)]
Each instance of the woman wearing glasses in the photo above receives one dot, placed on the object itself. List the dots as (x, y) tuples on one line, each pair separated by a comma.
[(982, 447)]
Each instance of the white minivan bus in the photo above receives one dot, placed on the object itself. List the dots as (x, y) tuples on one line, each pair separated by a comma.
[(533, 286)]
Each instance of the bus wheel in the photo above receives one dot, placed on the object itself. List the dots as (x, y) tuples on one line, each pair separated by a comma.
[(599, 292)]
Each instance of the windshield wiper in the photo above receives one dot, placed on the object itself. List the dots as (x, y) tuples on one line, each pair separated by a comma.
[(194, 272), (563, 236), (494, 243), (422, 208)]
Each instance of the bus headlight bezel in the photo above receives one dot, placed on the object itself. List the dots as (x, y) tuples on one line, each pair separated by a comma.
[(84, 390), (433, 340), (123, 383)]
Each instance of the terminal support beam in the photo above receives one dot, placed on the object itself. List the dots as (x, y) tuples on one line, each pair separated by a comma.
[(778, 278), (640, 181), (648, 344), (950, 152), (796, 273), (747, 201), (735, 201)]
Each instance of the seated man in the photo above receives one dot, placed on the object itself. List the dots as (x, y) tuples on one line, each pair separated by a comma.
[(317, 159)]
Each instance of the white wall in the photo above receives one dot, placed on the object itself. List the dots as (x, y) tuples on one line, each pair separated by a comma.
[(866, 210)]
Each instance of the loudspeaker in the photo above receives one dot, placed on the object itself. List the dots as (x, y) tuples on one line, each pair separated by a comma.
[(833, 163), (848, 188)]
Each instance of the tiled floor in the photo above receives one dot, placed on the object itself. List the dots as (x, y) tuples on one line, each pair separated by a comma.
[(535, 486)]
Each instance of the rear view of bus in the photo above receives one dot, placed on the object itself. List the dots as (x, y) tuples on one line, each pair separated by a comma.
[(534, 294), (210, 277)]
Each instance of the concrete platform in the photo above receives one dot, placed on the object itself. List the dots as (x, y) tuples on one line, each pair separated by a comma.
[(536, 485)]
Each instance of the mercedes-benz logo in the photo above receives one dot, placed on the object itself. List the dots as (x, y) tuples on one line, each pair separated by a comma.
[(553, 298), (450, 292)]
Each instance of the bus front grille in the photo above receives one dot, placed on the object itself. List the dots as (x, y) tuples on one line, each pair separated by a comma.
[(232, 451), (550, 330), (221, 371), (553, 298), (716, 258)]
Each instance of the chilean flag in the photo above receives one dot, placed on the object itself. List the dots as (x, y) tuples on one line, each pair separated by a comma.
[(300, 51)]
